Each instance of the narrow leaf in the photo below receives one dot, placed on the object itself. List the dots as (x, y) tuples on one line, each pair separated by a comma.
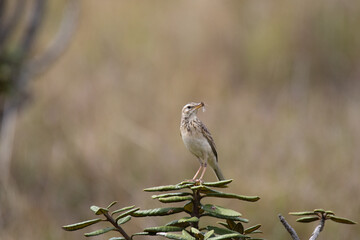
[(175, 199), (171, 195), (208, 234), (99, 210), (173, 236), (329, 213), (111, 204), (163, 229), (252, 229), (221, 211), (307, 219), (187, 235), (141, 234), (80, 225), (188, 219), (244, 220), (341, 220), (123, 220), (122, 209), (319, 211), (129, 212), (222, 183), (228, 236), (100, 231), (117, 238), (165, 188), (306, 213), (220, 231), (202, 189), (178, 224), (231, 195), (157, 212), (194, 230)]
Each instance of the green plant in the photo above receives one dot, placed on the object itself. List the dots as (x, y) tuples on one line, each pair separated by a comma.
[(186, 227), (311, 216)]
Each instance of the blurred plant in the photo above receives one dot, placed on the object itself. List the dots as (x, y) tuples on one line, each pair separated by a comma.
[(18, 67), (311, 216), (187, 227)]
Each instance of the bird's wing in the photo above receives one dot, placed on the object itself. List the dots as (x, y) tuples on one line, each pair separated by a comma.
[(209, 138)]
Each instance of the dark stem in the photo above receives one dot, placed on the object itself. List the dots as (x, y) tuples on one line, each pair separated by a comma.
[(118, 228), (288, 228), (196, 207)]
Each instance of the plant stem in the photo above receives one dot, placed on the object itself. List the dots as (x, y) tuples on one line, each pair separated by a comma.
[(288, 228), (118, 228), (196, 206), (318, 228)]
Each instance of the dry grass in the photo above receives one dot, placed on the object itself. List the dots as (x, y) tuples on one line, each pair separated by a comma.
[(279, 79)]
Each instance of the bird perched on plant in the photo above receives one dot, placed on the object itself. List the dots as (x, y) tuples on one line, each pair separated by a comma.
[(198, 140)]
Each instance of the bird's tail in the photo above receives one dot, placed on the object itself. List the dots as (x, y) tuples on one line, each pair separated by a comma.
[(218, 173)]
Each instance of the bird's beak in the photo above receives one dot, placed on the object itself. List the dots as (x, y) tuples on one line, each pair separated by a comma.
[(200, 105)]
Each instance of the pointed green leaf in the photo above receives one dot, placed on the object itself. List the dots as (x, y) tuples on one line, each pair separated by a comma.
[(252, 229), (195, 231), (208, 234), (173, 236), (306, 213), (165, 195), (231, 195), (123, 220), (188, 219), (228, 236), (142, 234), (165, 188), (221, 211), (176, 223), (99, 210), (129, 212), (329, 213), (341, 220), (100, 231), (111, 204), (117, 238), (222, 183), (163, 229), (80, 225), (122, 209), (307, 219), (319, 211), (244, 220), (220, 231), (187, 235), (202, 189), (157, 212), (175, 199)]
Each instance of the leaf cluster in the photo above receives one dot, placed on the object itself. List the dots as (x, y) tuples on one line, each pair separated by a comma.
[(188, 227), (319, 214)]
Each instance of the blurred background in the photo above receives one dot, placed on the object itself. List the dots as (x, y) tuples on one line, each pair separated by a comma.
[(281, 83)]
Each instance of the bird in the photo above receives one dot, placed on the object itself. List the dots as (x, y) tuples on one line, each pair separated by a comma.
[(198, 140)]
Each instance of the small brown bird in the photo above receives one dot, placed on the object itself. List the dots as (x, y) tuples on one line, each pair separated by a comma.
[(198, 140)]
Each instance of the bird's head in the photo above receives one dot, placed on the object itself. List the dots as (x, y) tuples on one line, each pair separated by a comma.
[(191, 109)]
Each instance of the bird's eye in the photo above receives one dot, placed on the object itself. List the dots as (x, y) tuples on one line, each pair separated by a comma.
[(188, 107)]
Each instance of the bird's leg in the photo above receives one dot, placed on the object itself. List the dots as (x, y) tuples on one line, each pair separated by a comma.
[(198, 171), (203, 172)]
